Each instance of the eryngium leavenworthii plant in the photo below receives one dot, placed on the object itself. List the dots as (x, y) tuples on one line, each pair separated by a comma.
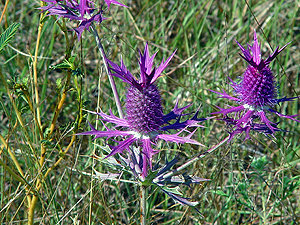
[(145, 122), (257, 94), (133, 163), (83, 11)]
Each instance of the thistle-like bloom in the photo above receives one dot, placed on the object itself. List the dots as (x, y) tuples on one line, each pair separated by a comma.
[(145, 122), (257, 94), (83, 11)]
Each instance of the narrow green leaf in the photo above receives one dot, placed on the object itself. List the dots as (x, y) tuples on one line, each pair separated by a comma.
[(8, 34)]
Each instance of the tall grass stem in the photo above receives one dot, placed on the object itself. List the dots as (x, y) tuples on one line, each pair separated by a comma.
[(111, 80), (36, 91), (4, 10), (143, 204)]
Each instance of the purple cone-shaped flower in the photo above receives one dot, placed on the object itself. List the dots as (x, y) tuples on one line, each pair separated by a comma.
[(145, 122), (83, 11), (256, 93)]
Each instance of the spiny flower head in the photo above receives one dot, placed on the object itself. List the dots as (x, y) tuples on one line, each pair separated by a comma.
[(143, 101), (256, 93), (145, 122), (258, 88), (143, 109), (83, 11)]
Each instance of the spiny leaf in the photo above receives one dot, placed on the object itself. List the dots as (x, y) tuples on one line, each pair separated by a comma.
[(8, 34)]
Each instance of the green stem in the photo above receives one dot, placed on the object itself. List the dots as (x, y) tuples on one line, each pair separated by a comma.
[(110, 77), (36, 92), (4, 10), (143, 204), (31, 210), (13, 157)]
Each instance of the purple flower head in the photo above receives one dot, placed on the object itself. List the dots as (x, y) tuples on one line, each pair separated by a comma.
[(83, 11), (145, 122), (256, 93)]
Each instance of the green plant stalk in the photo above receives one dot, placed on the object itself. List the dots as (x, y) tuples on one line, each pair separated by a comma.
[(36, 91), (40, 181), (34, 200), (14, 159), (110, 77), (4, 10), (52, 126), (64, 29), (32, 110), (143, 204), (31, 209), (60, 104), (38, 115), (79, 99)]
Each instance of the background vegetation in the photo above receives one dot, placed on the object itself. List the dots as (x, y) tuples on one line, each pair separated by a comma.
[(252, 182)]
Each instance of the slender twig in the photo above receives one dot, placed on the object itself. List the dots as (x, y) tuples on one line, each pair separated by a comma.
[(27, 55), (4, 10), (12, 156), (52, 126), (38, 116), (31, 209), (60, 104), (27, 97), (8, 136), (111, 80), (36, 91), (143, 204)]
